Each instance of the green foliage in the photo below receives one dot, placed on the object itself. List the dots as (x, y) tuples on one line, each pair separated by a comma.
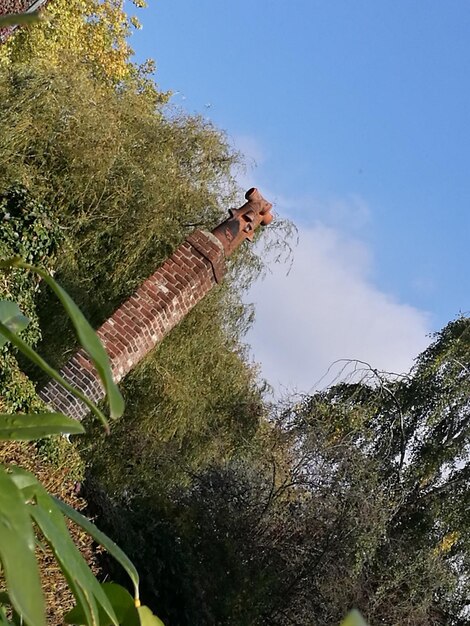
[(87, 338), (94, 31), (125, 188), (27, 229), (17, 392), (122, 602), (357, 496), (190, 402), (24, 501), (12, 318), (17, 553)]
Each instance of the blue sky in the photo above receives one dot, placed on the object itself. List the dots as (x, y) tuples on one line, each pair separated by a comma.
[(358, 115)]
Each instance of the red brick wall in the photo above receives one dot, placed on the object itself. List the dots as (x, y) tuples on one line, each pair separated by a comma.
[(141, 322)]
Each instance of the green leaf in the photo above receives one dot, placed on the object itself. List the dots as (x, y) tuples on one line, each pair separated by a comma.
[(48, 517), (22, 478), (104, 541), (86, 335), (12, 317), (15, 619), (147, 618), (3, 619), (353, 618), (19, 19), (122, 603), (34, 357), (19, 564), (4, 598), (28, 427), (77, 572)]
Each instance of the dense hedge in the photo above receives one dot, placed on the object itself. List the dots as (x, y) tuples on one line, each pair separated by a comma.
[(28, 229)]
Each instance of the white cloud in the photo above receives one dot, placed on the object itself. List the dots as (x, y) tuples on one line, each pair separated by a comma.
[(328, 308)]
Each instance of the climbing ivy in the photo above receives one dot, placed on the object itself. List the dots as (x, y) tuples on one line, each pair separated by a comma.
[(27, 230)]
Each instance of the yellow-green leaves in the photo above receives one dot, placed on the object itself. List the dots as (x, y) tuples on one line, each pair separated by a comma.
[(94, 31), (147, 618)]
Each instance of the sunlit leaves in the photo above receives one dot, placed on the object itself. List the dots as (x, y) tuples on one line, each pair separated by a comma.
[(88, 29), (147, 618)]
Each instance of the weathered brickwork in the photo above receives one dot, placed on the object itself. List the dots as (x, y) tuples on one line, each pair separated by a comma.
[(144, 319), (159, 304)]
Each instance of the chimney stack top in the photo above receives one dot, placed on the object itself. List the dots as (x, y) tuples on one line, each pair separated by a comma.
[(243, 221)]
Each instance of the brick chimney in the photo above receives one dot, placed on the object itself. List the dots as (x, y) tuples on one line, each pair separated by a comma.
[(161, 302)]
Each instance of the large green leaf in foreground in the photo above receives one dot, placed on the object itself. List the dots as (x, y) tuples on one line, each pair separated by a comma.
[(47, 516), (17, 556), (104, 541), (27, 427), (123, 605)]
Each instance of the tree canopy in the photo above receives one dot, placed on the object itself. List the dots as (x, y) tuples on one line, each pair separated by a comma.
[(356, 496)]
